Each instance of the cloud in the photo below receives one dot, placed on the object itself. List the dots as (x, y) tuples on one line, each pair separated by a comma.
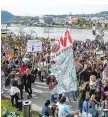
[(40, 7), (8, 2)]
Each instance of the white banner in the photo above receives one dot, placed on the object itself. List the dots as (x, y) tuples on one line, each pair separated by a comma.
[(34, 45), (63, 67)]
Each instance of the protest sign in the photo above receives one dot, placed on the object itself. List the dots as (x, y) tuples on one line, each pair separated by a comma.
[(34, 46)]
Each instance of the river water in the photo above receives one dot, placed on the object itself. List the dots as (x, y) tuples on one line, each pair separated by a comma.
[(77, 34)]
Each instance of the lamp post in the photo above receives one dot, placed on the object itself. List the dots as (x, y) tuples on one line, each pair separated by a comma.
[(48, 46)]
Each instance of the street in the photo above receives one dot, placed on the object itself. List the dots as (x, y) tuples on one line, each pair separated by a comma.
[(39, 96)]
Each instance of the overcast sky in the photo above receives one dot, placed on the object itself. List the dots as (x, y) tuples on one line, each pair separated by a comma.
[(42, 7)]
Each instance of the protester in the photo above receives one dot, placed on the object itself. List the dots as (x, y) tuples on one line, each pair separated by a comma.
[(82, 96), (105, 108), (93, 103), (14, 92), (39, 74), (21, 87), (28, 83), (64, 109), (35, 72), (54, 111), (92, 84), (98, 94), (42, 75), (104, 89), (90, 69), (46, 110), (85, 110)]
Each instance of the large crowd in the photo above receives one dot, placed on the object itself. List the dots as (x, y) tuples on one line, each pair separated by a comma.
[(21, 70), (92, 77)]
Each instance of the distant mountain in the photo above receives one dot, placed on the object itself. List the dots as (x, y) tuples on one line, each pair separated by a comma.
[(100, 14), (6, 16), (104, 12)]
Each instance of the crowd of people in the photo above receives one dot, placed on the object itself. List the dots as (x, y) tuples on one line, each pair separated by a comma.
[(91, 70), (60, 109), (92, 76), (20, 70)]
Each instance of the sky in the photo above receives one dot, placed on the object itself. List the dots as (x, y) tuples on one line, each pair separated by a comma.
[(42, 7)]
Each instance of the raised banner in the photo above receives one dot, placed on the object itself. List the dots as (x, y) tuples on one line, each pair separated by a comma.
[(34, 46), (63, 67)]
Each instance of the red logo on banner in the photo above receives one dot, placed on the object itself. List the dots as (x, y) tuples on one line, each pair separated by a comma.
[(62, 41), (55, 46)]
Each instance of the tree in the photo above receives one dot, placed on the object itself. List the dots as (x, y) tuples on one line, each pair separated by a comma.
[(81, 21), (53, 23), (17, 41)]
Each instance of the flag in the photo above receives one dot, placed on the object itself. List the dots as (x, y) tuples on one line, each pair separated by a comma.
[(63, 67)]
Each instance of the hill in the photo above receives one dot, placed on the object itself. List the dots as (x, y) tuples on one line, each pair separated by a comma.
[(104, 12), (100, 14), (6, 16)]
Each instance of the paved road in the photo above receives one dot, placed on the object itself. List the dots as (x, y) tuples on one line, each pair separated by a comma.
[(39, 96)]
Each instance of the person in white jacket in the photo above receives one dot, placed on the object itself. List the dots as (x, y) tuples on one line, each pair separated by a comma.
[(14, 92)]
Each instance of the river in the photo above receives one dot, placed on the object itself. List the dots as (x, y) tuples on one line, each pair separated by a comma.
[(77, 34)]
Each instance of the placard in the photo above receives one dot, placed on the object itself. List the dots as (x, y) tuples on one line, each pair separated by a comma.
[(34, 46)]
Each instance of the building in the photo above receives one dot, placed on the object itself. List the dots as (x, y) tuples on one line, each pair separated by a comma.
[(99, 19), (41, 20), (72, 20), (60, 20), (48, 19)]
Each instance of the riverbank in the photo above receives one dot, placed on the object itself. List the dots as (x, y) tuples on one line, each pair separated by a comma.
[(56, 26), (60, 26), (51, 32)]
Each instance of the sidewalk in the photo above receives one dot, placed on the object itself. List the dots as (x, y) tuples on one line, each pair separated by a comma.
[(39, 96)]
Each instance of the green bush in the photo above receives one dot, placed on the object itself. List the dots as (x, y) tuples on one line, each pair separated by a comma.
[(5, 102)]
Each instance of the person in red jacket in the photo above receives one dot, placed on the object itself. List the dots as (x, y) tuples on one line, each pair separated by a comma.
[(23, 67)]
